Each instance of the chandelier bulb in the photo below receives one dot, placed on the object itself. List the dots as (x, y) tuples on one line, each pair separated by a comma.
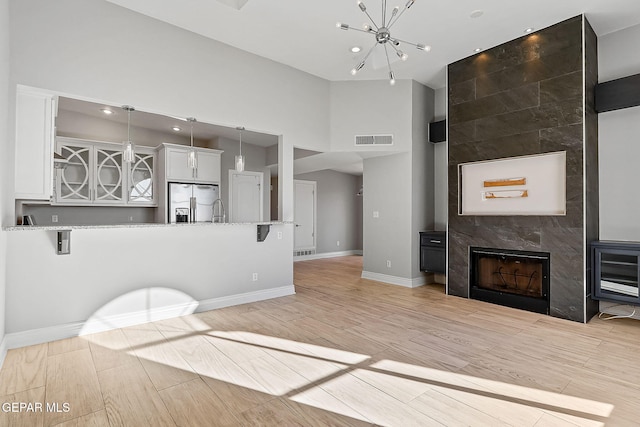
[(342, 26), (392, 78), (362, 6), (403, 56), (423, 47), (410, 3), (394, 12), (357, 68)]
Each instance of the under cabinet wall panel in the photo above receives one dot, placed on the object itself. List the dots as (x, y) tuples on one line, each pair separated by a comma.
[(35, 129)]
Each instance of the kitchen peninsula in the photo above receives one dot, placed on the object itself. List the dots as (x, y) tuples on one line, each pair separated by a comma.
[(124, 275), (125, 272)]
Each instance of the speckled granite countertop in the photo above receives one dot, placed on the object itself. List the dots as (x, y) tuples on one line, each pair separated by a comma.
[(95, 227)]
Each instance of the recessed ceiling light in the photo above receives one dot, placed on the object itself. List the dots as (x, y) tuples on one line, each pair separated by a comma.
[(176, 129), (478, 49), (477, 13), (528, 30), (356, 49), (107, 111)]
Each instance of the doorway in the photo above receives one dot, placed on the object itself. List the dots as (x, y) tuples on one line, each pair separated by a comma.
[(245, 196), (304, 216)]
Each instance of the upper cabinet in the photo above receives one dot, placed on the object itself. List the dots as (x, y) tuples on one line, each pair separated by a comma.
[(207, 170), (141, 189), (35, 133), (96, 175)]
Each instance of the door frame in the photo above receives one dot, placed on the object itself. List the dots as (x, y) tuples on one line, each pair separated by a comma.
[(315, 214), (260, 175)]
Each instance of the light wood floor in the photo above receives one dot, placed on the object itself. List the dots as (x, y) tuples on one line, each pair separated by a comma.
[(342, 351)]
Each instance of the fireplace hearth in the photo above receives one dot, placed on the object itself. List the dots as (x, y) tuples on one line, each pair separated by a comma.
[(518, 279)]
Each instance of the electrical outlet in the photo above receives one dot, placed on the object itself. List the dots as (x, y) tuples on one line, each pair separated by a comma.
[(279, 235), (388, 263), (255, 277), (376, 214), (54, 218), (338, 243)]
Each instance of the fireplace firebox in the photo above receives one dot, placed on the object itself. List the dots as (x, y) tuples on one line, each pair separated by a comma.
[(518, 279)]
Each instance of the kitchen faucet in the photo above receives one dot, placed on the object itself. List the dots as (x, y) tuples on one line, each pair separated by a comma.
[(221, 217)]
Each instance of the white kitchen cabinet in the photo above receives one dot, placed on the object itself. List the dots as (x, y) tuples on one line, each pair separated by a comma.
[(142, 177), (207, 169), (173, 167), (95, 175), (35, 130)]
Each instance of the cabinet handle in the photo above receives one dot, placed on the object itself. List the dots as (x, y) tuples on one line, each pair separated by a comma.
[(436, 241)]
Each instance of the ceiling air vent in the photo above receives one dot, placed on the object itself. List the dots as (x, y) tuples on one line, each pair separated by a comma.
[(374, 139)]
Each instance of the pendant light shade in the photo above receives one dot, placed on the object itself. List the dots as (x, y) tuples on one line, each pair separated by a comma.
[(128, 147), (192, 158), (240, 157)]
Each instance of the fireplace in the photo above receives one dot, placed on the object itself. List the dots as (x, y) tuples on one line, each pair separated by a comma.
[(518, 279)]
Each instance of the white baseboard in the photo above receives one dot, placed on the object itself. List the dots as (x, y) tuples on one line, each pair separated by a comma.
[(214, 303), (3, 350), (395, 280), (106, 323), (326, 255)]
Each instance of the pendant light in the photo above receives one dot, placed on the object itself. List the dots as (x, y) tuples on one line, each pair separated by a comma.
[(240, 157), (192, 159), (128, 148)]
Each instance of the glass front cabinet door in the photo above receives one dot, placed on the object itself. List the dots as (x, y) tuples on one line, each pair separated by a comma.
[(74, 182), (142, 177), (108, 175), (93, 173), (615, 271)]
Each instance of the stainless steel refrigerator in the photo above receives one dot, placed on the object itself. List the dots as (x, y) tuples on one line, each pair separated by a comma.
[(194, 200)]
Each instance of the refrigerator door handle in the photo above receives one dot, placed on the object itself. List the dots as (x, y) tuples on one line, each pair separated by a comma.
[(193, 206)]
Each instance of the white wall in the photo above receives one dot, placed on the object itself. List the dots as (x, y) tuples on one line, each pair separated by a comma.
[(441, 161), (77, 48), (370, 108), (422, 173), (387, 190), (618, 141), (160, 68), (339, 212), (6, 191), (190, 259), (398, 186)]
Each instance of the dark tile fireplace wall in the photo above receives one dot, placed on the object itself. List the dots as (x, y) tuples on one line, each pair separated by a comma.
[(524, 97)]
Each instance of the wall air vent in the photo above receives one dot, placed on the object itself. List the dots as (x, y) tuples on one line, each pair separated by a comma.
[(374, 139)]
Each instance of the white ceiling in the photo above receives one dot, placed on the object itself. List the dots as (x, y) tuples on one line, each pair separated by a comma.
[(303, 34)]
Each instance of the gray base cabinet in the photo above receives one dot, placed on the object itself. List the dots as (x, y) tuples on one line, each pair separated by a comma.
[(433, 251)]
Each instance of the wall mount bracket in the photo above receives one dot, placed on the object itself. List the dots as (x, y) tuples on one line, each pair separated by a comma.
[(263, 231)]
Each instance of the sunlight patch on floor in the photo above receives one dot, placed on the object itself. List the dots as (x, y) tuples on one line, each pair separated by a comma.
[(384, 392)]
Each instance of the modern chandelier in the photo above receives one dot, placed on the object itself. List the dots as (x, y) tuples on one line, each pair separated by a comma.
[(383, 35)]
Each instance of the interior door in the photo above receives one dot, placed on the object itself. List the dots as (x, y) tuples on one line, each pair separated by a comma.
[(245, 196), (304, 214)]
